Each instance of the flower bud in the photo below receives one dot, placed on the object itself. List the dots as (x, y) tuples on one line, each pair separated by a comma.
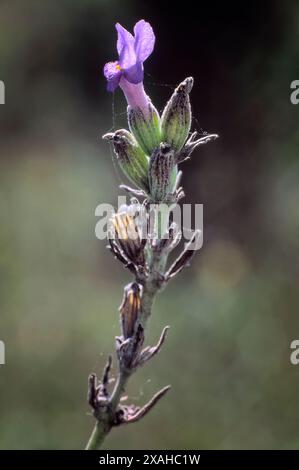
[(145, 126), (176, 117), (131, 159), (130, 308), (162, 172), (128, 236)]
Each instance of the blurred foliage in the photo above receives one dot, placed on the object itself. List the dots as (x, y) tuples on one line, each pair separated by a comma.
[(235, 312)]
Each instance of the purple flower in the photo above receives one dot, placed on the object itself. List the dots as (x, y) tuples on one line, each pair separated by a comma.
[(127, 72)]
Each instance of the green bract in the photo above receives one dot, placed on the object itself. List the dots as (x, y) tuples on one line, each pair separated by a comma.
[(145, 126), (176, 117), (161, 172), (131, 158)]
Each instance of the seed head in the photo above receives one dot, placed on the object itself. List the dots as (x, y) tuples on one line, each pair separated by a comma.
[(130, 308)]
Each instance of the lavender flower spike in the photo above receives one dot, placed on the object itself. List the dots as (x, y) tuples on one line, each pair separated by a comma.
[(128, 73), (142, 234)]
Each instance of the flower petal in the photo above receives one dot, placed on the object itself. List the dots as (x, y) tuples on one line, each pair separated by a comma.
[(134, 74), (113, 74), (144, 40), (125, 47), (124, 38)]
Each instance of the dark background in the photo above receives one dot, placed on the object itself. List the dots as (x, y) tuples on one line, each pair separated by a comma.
[(235, 312)]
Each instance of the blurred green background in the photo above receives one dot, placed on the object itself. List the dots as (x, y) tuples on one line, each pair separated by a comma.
[(234, 313)]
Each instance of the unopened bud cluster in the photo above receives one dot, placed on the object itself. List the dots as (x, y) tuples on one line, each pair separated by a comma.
[(149, 154)]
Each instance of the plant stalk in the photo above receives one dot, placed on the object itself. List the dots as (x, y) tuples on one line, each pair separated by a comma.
[(151, 288)]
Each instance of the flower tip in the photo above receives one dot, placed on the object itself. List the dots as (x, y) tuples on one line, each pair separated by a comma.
[(211, 137), (188, 84), (109, 136), (118, 27), (165, 148)]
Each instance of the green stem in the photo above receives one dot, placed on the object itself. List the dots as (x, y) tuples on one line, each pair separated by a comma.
[(98, 435)]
